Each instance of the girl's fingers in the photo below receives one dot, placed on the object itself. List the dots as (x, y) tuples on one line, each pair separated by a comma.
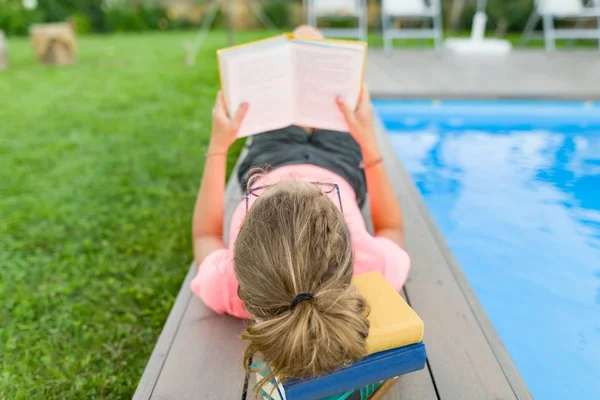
[(220, 102), (348, 115), (366, 95), (240, 115), (360, 97), (220, 110), (219, 98), (364, 99)]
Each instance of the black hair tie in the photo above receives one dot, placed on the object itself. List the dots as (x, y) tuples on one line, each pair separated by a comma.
[(300, 298)]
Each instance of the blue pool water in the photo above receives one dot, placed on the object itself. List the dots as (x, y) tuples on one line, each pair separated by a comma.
[(515, 189)]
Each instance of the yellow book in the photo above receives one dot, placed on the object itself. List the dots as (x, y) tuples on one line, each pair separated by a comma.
[(291, 81), (393, 322)]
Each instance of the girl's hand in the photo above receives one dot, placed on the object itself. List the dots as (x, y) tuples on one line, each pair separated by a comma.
[(361, 123), (225, 128)]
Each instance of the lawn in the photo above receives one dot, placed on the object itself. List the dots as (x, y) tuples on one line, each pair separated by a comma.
[(99, 167)]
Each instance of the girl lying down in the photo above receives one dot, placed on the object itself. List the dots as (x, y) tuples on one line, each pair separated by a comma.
[(297, 238)]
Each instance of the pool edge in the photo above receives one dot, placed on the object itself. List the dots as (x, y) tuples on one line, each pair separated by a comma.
[(394, 95)]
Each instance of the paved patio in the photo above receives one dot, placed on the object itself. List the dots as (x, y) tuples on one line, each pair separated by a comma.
[(522, 74)]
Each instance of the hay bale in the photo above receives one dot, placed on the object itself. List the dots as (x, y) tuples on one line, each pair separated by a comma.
[(3, 51), (54, 44)]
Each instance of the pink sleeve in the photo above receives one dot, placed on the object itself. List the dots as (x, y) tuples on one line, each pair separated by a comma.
[(216, 284), (396, 260)]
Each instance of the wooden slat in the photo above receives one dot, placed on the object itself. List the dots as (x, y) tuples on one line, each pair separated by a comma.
[(464, 355), (414, 386), (205, 361), (417, 385), (250, 389), (384, 390), (165, 340)]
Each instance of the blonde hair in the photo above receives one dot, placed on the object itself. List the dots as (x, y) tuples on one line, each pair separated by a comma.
[(295, 240)]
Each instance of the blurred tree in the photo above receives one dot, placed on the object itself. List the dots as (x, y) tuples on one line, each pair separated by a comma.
[(277, 11), (509, 15), (456, 10), (15, 19), (127, 15), (503, 15)]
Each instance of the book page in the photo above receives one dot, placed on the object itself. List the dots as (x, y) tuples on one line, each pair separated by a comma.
[(321, 71), (260, 75)]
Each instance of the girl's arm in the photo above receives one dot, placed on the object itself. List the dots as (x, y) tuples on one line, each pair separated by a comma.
[(207, 223), (386, 212), (207, 229)]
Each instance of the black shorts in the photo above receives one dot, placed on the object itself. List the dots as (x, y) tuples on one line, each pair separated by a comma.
[(335, 151)]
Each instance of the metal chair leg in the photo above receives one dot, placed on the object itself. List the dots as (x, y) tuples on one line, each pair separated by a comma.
[(311, 14), (385, 27), (529, 28), (598, 30), (363, 21), (438, 29), (549, 34)]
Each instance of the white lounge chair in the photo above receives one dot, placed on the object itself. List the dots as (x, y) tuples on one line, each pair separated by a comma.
[(549, 10), (411, 9), (339, 8)]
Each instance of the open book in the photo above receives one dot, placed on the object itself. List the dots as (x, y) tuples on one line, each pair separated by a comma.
[(288, 81)]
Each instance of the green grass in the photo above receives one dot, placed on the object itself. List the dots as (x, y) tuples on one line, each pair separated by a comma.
[(99, 167)]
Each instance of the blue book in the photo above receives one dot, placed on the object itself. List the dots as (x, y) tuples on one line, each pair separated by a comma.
[(370, 370)]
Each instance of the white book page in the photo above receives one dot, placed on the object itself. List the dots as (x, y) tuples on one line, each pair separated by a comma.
[(260, 75), (320, 73)]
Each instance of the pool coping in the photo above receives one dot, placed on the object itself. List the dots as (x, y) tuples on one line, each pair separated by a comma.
[(382, 95), (523, 74)]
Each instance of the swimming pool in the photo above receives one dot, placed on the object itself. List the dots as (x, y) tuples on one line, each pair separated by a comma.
[(514, 186)]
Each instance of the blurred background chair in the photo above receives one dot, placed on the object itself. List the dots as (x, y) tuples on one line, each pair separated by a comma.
[(549, 10), (335, 9), (407, 10)]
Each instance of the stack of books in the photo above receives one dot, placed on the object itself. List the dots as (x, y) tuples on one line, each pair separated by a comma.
[(394, 348)]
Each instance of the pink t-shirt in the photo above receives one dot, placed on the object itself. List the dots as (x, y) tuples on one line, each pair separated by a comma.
[(216, 283)]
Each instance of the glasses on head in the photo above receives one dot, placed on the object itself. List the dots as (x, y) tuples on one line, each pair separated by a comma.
[(328, 189)]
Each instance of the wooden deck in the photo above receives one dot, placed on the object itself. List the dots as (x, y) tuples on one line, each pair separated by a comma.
[(199, 354), (522, 74)]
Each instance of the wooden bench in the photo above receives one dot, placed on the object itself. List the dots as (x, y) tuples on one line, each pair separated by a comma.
[(199, 354)]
